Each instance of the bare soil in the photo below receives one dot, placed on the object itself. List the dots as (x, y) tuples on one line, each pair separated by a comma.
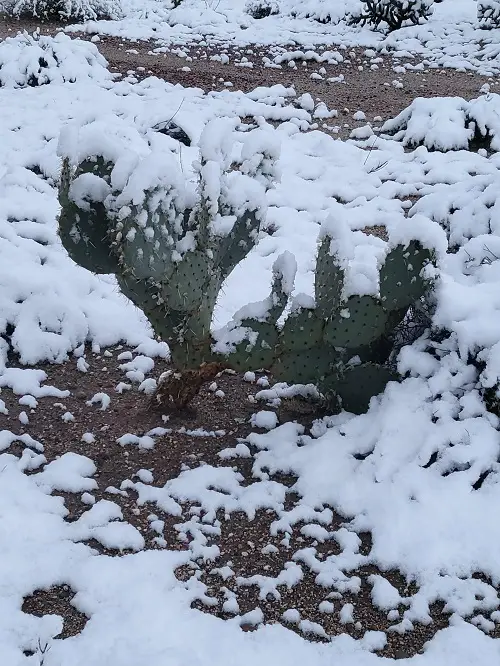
[(241, 541)]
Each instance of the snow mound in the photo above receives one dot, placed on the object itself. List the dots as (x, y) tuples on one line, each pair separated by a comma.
[(488, 13), (35, 60), (448, 123)]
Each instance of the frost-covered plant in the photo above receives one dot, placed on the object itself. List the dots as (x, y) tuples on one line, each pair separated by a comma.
[(170, 246), (64, 10), (324, 11), (488, 13), (132, 213), (448, 123), (393, 13), (35, 60), (259, 9)]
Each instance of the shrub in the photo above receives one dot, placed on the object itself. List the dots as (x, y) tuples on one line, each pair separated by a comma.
[(259, 9), (64, 10), (488, 13), (394, 13), (27, 60), (172, 248), (324, 11)]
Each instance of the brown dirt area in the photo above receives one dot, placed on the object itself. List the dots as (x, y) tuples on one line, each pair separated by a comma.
[(243, 543)]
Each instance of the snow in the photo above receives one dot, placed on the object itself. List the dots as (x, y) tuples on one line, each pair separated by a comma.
[(404, 471), (100, 398), (450, 38), (144, 442), (264, 419), (63, 58), (448, 123)]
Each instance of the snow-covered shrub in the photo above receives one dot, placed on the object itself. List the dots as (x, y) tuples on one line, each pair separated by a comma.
[(35, 60), (488, 13), (259, 9), (325, 11), (448, 123), (65, 10), (393, 13)]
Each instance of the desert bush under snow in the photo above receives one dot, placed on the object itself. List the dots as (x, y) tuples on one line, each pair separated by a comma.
[(488, 13), (325, 11), (74, 10), (28, 60)]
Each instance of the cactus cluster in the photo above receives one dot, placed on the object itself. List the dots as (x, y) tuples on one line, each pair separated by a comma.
[(171, 254), (393, 13), (340, 344)]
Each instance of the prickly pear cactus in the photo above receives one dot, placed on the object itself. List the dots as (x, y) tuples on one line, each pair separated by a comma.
[(172, 247), (342, 343)]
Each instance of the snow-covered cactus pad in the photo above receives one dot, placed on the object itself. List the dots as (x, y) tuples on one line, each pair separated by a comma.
[(394, 14), (75, 10), (34, 60), (488, 13), (342, 342), (128, 209)]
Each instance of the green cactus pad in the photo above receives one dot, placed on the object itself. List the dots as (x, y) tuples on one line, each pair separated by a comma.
[(144, 249), (250, 355), (302, 330), (365, 321), (329, 281), (85, 233), (188, 282), (401, 283), (234, 247), (305, 367)]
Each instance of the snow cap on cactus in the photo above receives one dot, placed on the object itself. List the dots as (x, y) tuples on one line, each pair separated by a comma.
[(357, 254)]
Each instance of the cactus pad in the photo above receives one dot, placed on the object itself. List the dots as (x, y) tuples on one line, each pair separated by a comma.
[(401, 282), (85, 232), (360, 321), (329, 281), (360, 383), (305, 367), (302, 330)]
